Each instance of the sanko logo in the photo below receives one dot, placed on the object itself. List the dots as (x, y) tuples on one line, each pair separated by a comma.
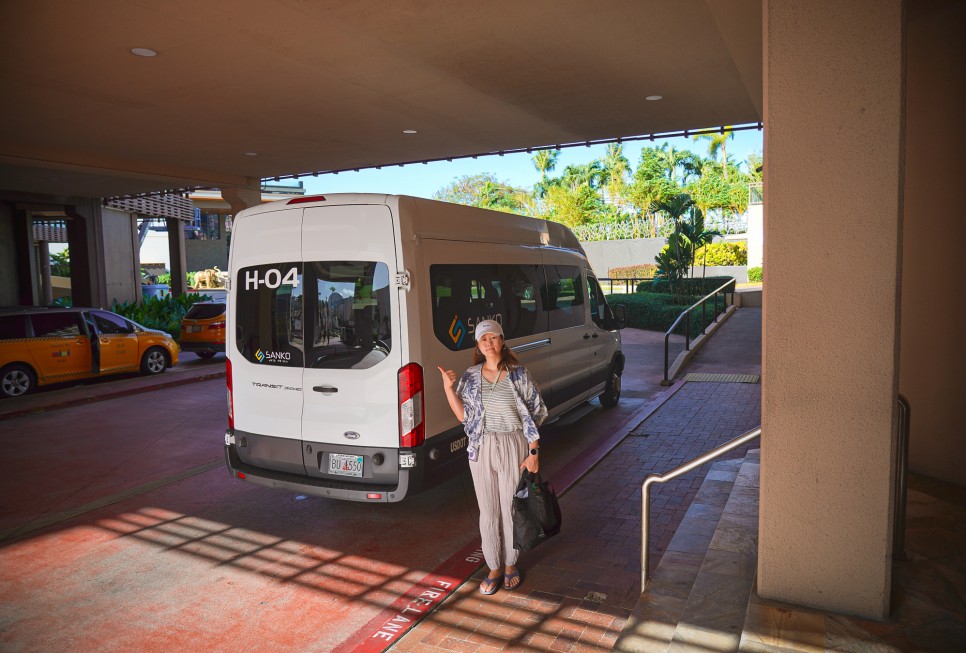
[(272, 356), (457, 331)]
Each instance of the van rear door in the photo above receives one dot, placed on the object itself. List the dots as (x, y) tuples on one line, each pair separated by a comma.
[(266, 350), (352, 337)]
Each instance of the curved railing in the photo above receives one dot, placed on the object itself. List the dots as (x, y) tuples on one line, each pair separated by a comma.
[(674, 473), (723, 290)]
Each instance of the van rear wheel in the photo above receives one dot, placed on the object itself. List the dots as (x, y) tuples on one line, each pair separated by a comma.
[(17, 380), (154, 361), (612, 392)]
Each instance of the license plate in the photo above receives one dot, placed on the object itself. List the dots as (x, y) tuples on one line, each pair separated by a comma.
[(345, 465), (192, 329)]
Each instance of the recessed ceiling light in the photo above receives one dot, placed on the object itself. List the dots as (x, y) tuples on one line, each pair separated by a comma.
[(653, 98), (144, 52), (251, 153), (410, 131)]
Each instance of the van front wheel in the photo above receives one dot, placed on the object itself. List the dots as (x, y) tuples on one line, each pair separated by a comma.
[(154, 361), (612, 392), (16, 380)]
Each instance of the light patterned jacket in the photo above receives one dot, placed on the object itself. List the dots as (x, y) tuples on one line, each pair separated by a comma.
[(525, 392)]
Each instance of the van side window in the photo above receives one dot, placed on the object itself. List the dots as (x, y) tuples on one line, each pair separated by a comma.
[(348, 315), (56, 325), (564, 296), (465, 294), (268, 319), (599, 311)]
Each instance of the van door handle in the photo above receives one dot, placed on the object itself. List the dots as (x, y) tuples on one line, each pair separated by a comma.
[(586, 336), (595, 335), (325, 389)]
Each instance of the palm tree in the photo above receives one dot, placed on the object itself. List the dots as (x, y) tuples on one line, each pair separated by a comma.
[(675, 208), (672, 158), (544, 161), (698, 236), (616, 170), (719, 142)]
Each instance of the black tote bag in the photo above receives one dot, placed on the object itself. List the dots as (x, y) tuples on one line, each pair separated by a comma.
[(536, 512)]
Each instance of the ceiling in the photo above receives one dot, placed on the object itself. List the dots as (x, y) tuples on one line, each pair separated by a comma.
[(247, 89)]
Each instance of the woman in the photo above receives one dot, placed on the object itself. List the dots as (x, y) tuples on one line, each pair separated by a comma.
[(500, 408)]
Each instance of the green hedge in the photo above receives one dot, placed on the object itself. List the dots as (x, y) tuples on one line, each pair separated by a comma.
[(754, 274), (696, 287), (162, 313), (657, 312), (643, 271)]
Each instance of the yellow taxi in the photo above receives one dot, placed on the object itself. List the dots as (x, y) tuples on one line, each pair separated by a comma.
[(41, 345), (203, 329)]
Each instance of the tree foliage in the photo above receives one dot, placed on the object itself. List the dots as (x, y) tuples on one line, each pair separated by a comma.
[(609, 198), (484, 191)]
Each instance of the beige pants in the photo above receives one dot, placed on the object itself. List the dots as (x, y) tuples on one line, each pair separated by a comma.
[(496, 473)]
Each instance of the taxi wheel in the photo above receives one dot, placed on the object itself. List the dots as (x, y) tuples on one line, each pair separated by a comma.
[(154, 361), (17, 380), (612, 393)]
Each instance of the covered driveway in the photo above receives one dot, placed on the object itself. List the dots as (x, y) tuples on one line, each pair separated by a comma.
[(857, 99)]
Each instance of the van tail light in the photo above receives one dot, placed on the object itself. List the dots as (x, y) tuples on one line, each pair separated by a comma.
[(305, 199), (231, 401), (412, 428), (216, 325)]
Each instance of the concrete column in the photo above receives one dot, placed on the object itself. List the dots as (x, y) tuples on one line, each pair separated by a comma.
[(122, 277), (243, 197), (87, 257), (833, 166), (43, 262), (177, 265)]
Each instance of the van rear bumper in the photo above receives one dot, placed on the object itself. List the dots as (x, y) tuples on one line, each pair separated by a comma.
[(323, 487)]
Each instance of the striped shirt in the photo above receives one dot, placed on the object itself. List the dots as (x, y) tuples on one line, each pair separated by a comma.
[(530, 405), (501, 414)]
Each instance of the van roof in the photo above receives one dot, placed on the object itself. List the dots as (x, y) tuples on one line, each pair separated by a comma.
[(444, 219)]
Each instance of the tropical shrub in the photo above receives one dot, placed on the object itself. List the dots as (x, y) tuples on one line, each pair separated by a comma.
[(643, 271), (162, 313), (722, 254), (60, 263), (754, 274)]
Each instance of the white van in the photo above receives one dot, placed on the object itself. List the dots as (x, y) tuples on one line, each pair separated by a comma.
[(341, 307)]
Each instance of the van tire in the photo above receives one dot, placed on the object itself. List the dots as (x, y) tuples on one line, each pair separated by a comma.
[(154, 361), (612, 391), (17, 380)]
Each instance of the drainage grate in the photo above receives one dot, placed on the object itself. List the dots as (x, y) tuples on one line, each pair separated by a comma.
[(723, 378)]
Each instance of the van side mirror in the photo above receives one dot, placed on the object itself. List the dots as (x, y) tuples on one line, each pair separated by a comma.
[(620, 315)]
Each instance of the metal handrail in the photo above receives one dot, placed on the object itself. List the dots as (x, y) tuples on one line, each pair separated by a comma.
[(902, 472), (674, 473), (627, 281), (686, 316)]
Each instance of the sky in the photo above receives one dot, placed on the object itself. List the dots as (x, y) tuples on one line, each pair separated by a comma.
[(423, 180)]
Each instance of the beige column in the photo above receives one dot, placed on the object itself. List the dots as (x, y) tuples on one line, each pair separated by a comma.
[(833, 178), (243, 197)]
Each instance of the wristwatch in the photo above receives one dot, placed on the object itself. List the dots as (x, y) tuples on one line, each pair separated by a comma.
[(534, 452)]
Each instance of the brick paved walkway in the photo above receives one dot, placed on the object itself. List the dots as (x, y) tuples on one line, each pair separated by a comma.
[(580, 587)]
